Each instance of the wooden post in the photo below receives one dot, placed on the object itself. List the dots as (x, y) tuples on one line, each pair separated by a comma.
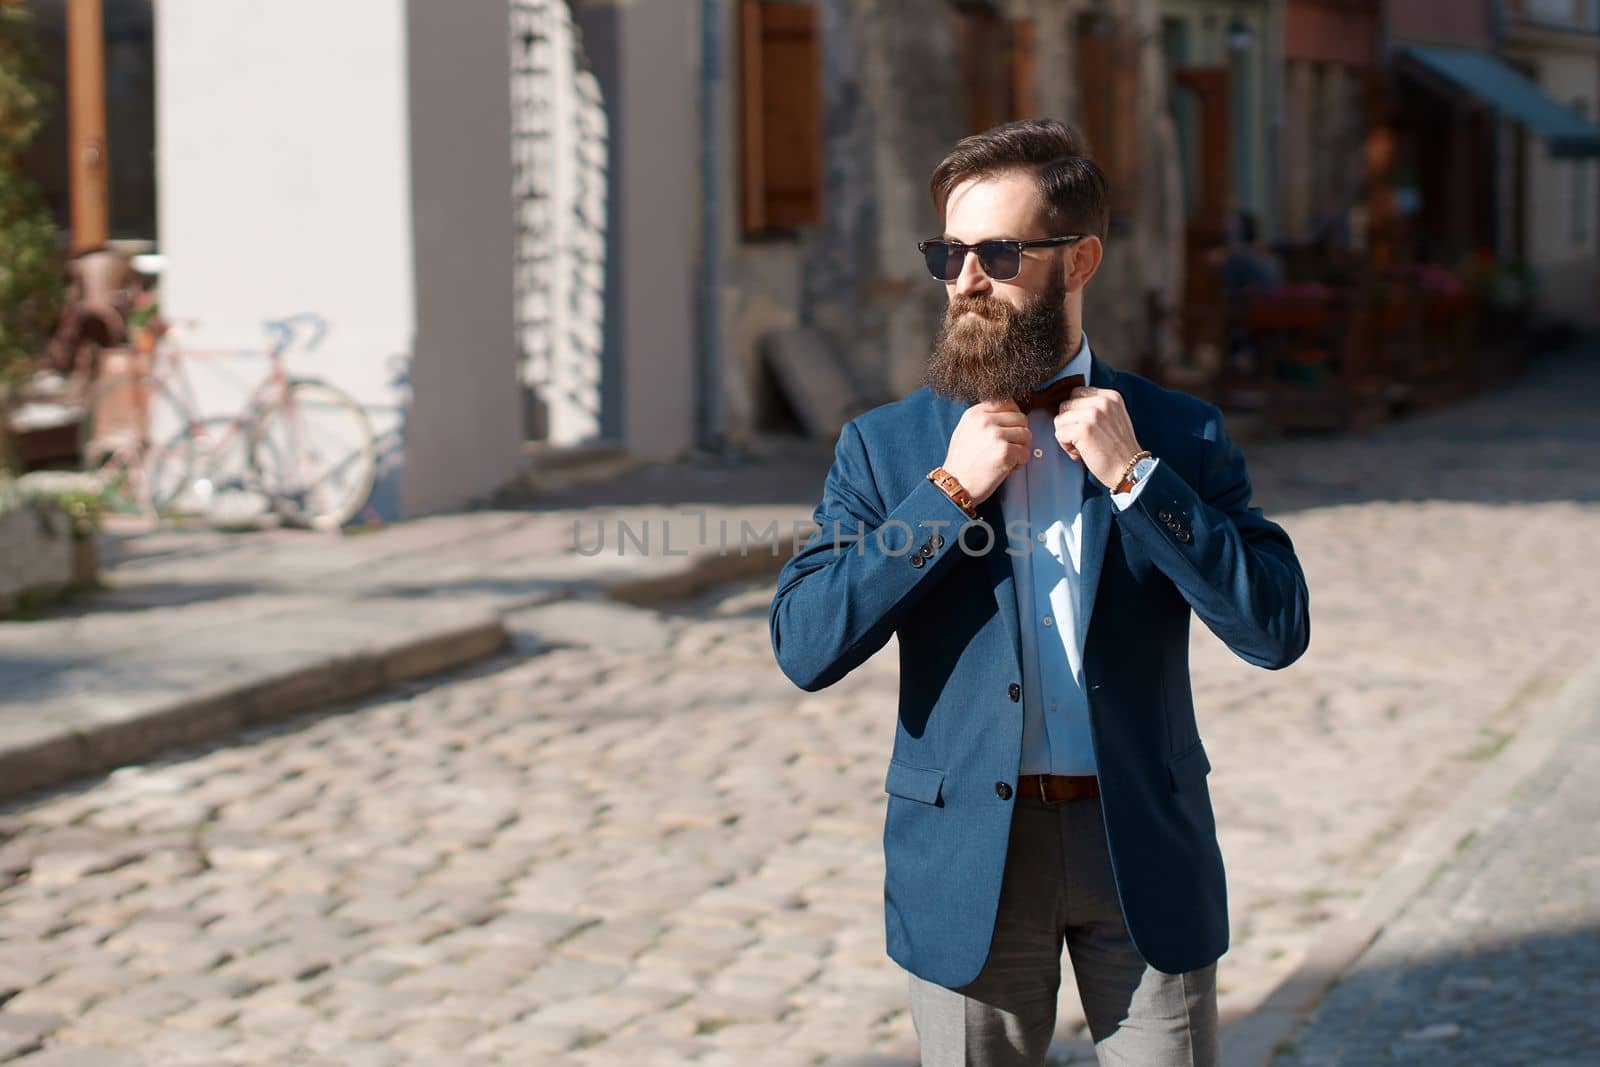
[(86, 119)]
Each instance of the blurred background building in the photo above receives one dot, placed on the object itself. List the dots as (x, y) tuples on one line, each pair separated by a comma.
[(539, 227)]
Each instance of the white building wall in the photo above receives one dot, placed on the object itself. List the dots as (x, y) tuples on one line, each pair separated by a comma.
[(464, 425), (560, 149), (284, 186), (1563, 244), (352, 160), (659, 215)]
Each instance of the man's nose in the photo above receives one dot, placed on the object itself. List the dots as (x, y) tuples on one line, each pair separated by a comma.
[(971, 280)]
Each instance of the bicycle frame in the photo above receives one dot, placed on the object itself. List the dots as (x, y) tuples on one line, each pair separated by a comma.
[(282, 457), (168, 368)]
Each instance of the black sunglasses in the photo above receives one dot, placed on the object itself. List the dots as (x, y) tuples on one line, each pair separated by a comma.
[(1001, 260)]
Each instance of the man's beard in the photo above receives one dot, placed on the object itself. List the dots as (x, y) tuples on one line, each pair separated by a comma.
[(1001, 352)]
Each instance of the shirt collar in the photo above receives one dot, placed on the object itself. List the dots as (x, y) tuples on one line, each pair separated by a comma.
[(1078, 364)]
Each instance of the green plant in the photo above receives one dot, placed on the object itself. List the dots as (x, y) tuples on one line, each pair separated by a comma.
[(146, 311), (79, 496), (84, 508), (30, 257), (1501, 283)]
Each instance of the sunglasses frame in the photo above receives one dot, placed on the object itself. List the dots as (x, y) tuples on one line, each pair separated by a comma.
[(1016, 246)]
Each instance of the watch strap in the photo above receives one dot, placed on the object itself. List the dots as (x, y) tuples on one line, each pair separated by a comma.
[(1127, 482), (951, 487)]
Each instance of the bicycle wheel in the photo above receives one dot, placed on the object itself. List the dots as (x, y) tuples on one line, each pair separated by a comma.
[(315, 454), (138, 438), (223, 485)]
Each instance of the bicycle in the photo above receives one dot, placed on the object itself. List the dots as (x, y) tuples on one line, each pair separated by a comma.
[(308, 447)]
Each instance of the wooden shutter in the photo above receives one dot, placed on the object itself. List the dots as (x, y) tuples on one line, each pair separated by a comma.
[(982, 71), (1108, 84), (780, 115), (995, 57), (1022, 80), (1212, 173), (1211, 88)]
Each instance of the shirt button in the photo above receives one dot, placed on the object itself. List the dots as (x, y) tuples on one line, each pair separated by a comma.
[(1014, 691), (1048, 621), (1002, 790), (1038, 452)]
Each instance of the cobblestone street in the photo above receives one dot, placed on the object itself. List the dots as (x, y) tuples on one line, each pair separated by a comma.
[(631, 841), (1498, 960)]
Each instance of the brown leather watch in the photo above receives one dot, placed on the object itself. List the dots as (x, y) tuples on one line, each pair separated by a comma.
[(951, 488)]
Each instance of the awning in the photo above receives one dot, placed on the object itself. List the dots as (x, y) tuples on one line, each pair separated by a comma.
[(1511, 93)]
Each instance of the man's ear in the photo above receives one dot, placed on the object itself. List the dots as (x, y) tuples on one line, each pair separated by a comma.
[(1083, 259)]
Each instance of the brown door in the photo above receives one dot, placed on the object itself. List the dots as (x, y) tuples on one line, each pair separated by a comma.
[(1212, 174)]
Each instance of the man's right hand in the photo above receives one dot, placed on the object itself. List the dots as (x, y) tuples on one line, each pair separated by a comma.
[(990, 441)]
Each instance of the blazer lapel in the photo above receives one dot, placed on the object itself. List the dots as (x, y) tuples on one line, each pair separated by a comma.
[(998, 563), (1097, 508)]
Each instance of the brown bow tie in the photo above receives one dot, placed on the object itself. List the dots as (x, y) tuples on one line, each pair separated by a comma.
[(1052, 395)]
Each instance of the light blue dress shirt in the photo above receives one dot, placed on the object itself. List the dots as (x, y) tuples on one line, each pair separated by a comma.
[(1042, 502)]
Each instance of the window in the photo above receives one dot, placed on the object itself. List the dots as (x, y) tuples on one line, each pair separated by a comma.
[(780, 116)]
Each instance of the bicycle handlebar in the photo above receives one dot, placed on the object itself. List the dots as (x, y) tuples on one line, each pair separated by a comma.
[(284, 329)]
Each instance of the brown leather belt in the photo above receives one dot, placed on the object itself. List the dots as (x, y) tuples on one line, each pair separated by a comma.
[(1057, 788)]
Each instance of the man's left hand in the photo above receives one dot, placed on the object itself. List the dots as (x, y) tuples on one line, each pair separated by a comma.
[(1092, 425)]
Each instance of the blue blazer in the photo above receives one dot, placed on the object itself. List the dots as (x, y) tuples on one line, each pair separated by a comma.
[(942, 584)]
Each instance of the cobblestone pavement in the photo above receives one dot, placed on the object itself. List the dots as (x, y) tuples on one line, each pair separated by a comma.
[(1498, 960), (634, 842)]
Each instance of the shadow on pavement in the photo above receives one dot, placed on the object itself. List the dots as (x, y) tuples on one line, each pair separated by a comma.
[(141, 597), (1522, 1000), (1519, 441), (784, 471)]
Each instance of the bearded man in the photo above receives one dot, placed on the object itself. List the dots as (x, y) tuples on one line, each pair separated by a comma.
[(1047, 784)]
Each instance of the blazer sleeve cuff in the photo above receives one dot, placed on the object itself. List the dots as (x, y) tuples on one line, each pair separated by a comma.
[(1166, 502)]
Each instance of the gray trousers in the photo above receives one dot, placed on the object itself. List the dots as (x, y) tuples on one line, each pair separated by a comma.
[(1058, 887)]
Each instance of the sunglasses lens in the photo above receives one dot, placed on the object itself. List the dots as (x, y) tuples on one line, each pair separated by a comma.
[(942, 263), (1001, 262)]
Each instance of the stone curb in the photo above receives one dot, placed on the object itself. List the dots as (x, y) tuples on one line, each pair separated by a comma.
[(698, 572), (135, 732), (1253, 1041)]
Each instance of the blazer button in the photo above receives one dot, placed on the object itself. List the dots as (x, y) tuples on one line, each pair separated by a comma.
[(938, 542), (1163, 514), (1014, 691), (926, 552), (915, 559), (1183, 535), (1002, 790)]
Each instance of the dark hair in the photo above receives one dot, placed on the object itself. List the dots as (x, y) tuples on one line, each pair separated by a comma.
[(1247, 228), (1072, 189)]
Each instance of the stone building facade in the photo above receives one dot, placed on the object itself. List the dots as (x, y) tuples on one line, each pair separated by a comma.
[(896, 96)]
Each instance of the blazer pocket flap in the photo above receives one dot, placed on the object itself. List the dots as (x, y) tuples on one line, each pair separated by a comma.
[(1189, 767), (913, 783)]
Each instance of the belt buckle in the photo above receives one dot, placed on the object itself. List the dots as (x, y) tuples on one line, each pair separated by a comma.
[(1043, 797)]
